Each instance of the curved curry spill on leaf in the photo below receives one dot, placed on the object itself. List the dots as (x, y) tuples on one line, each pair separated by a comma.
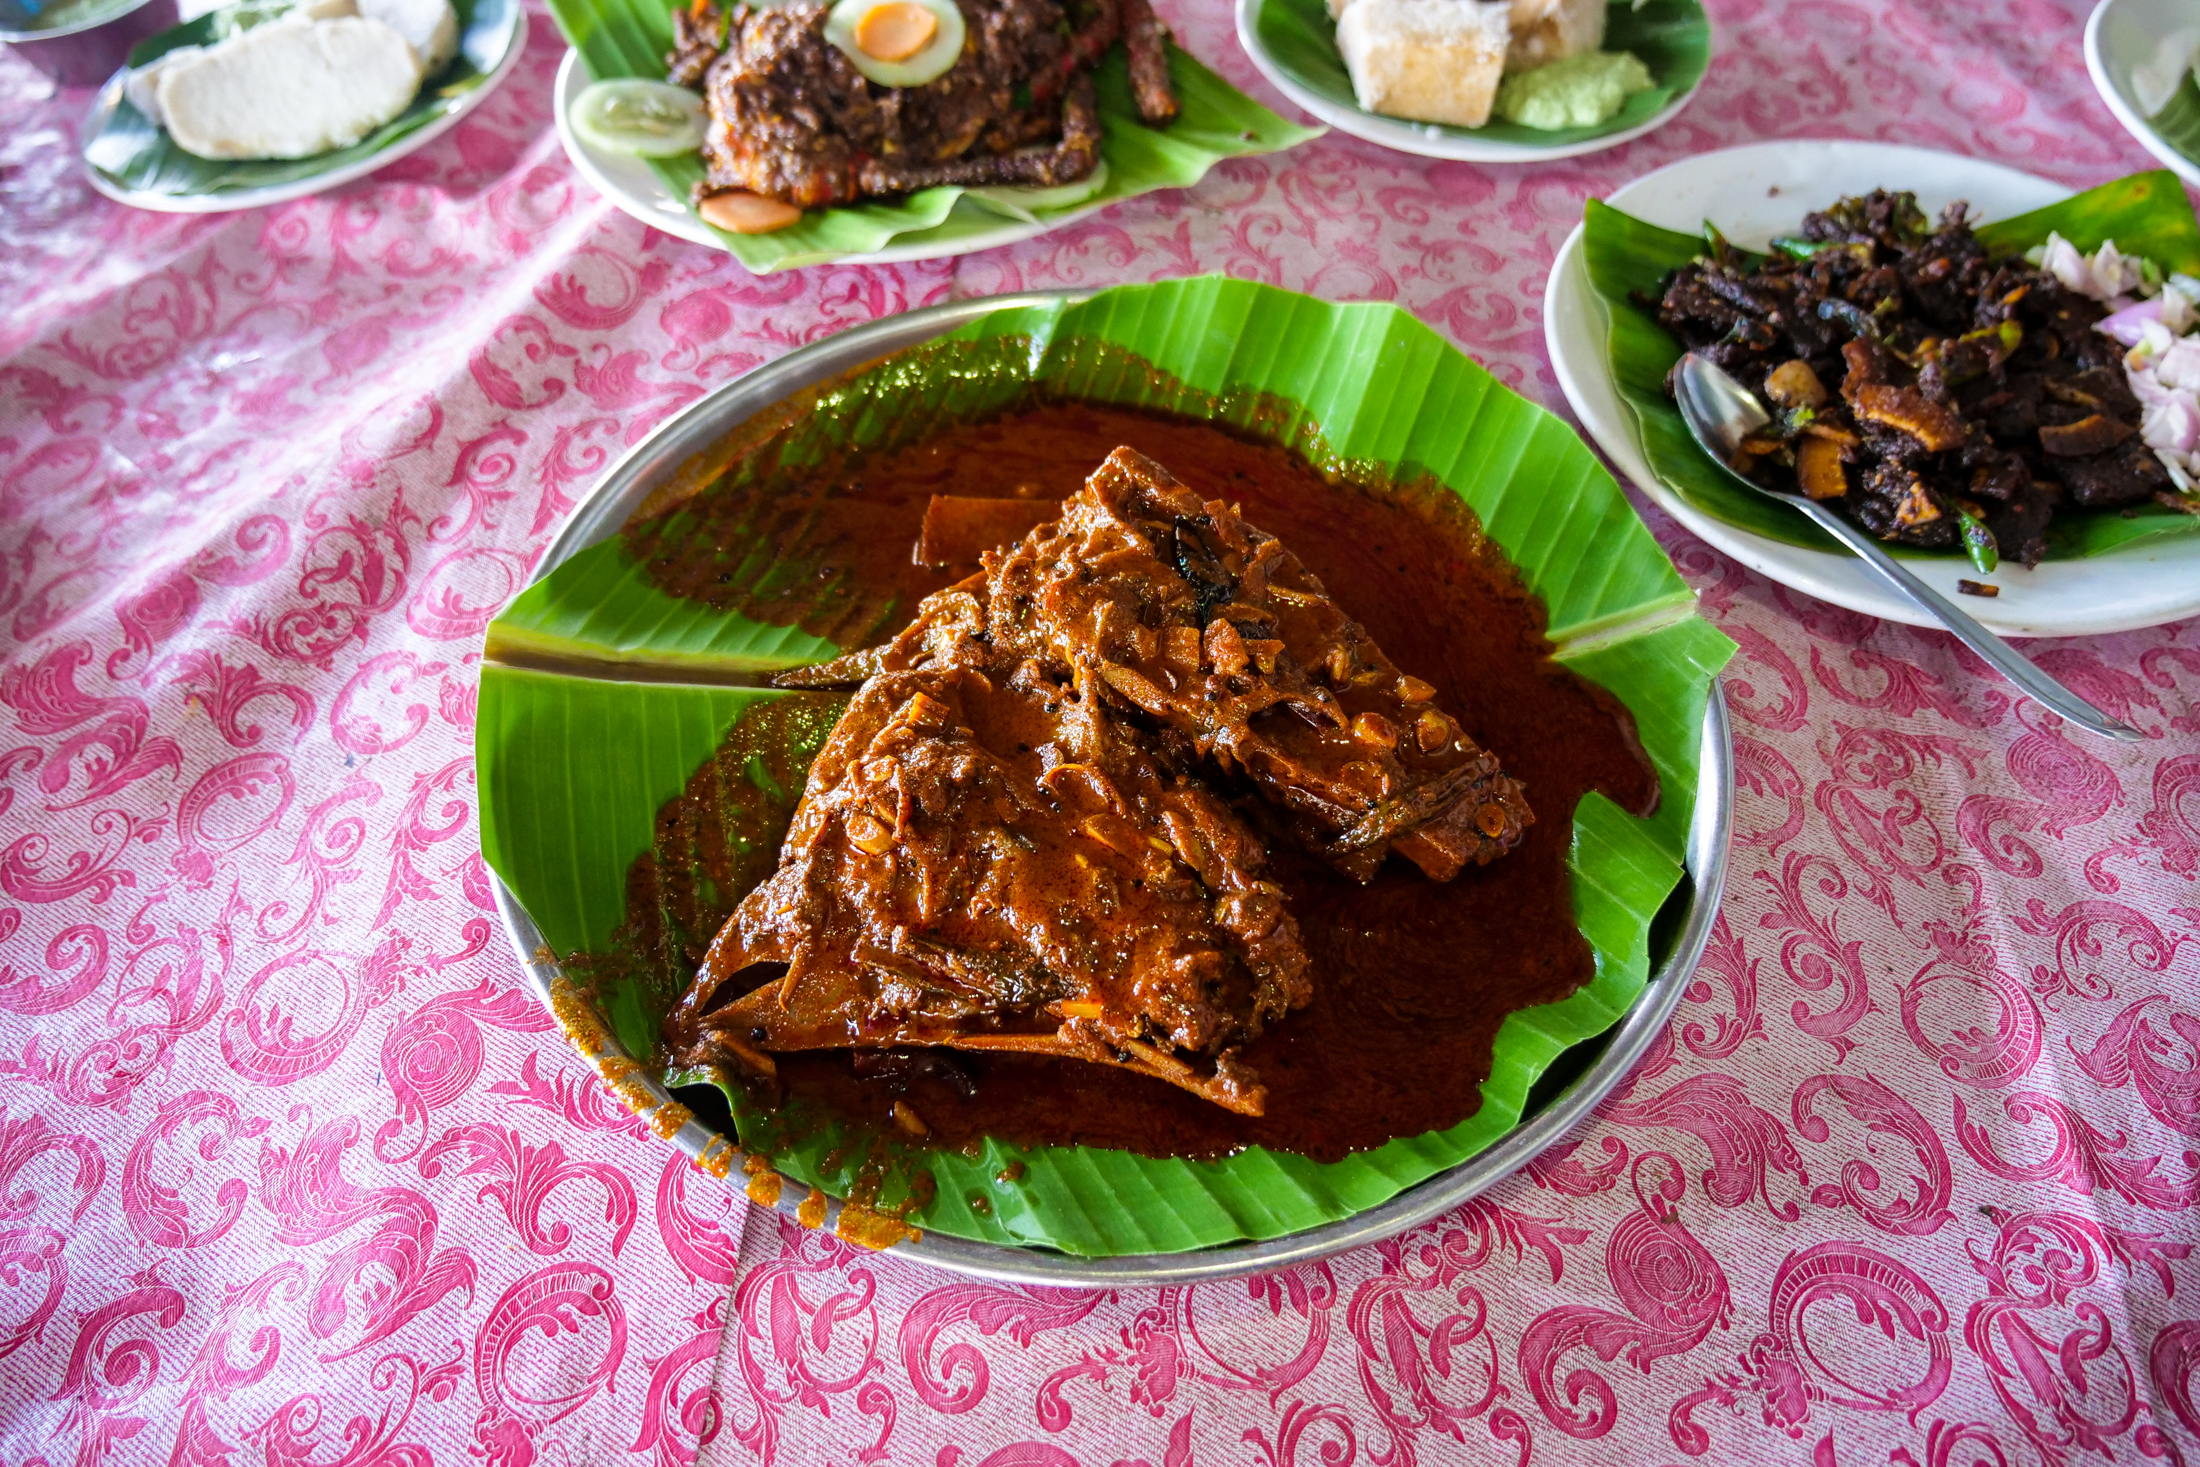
[(2146, 214), (629, 38), (576, 770)]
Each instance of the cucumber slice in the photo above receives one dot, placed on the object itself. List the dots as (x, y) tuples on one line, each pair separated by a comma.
[(649, 119), (1027, 203), (930, 63)]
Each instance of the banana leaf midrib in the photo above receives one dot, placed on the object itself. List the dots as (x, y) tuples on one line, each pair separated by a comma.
[(521, 647)]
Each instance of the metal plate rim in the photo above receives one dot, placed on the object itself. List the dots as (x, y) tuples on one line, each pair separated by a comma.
[(714, 415)]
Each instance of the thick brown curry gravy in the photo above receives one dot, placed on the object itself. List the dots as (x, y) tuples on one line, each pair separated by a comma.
[(1412, 978)]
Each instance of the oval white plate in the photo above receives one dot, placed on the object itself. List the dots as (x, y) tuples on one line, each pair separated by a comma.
[(628, 182), (2125, 35), (1753, 193), (229, 200), (1425, 139)]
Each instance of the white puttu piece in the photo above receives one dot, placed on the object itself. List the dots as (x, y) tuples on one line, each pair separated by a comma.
[(431, 26), (141, 88), (1426, 60), (1544, 31), (290, 90)]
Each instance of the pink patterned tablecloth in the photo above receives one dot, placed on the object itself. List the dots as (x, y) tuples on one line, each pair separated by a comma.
[(290, 1170)]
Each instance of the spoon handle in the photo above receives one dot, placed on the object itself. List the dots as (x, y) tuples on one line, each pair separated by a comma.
[(2012, 664)]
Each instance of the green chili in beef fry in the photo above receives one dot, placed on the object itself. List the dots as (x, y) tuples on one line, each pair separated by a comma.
[(1941, 397)]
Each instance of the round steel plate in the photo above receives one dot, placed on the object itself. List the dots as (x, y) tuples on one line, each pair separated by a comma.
[(706, 422)]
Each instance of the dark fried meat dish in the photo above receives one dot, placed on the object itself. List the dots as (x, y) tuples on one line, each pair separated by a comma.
[(1146, 44), (1208, 632), (1918, 381), (792, 118), (992, 862)]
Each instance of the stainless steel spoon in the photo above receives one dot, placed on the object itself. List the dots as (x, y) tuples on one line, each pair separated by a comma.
[(1720, 413)]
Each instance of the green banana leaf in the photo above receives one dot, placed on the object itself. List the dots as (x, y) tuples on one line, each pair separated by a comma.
[(1670, 37), (629, 38), (2178, 123), (2146, 214), (134, 152), (564, 819)]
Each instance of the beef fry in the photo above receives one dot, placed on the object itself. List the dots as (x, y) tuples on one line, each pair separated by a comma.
[(1967, 386), (792, 117), (1145, 43)]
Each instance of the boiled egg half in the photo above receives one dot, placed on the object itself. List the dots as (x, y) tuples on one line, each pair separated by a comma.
[(898, 43)]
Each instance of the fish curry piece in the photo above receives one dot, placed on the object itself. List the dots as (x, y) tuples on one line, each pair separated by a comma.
[(989, 860), (1211, 634)]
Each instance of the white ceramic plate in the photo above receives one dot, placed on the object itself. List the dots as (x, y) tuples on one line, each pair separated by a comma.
[(628, 182), (228, 200), (1753, 193), (1426, 139), (2125, 41)]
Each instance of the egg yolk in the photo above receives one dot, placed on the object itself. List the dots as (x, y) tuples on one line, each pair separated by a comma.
[(896, 30)]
